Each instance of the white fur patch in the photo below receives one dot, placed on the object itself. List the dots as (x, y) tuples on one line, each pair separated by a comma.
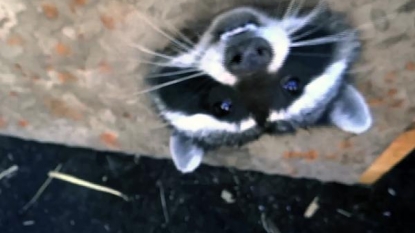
[(202, 123), (193, 164), (276, 116), (352, 117), (314, 92), (186, 156), (184, 60), (212, 64), (209, 57), (280, 44), (238, 30), (295, 23), (212, 60)]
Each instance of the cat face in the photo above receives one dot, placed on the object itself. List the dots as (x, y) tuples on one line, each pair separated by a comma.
[(252, 72)]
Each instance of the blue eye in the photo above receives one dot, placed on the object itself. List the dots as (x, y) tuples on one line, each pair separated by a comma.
[(292, 85), (222, 108), (226, 105)]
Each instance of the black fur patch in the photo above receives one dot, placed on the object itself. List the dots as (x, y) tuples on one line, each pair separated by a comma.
[(198, 95)]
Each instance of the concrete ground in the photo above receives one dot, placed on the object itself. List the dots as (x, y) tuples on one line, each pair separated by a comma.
[(68, 75)]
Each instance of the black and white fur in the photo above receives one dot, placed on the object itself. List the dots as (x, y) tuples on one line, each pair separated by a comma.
[(255, 70)]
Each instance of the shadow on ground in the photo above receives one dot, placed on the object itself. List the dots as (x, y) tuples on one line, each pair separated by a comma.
[(162, 200)]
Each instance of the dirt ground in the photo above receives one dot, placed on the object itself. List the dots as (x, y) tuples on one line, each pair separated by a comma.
[(214, 200)]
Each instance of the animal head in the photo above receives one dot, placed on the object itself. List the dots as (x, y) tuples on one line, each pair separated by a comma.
[(254, 70)]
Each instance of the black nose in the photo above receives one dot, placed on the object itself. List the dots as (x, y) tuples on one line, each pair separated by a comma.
[(248, 55)]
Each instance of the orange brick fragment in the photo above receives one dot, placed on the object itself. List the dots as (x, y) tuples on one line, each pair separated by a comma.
[(345, 144), (35, 77), (410, 66), (375, 102), (3, 122), (14, 40), (311, 155), (108, 22), (104, 67), (66, 77), (397, 103), (23, 123), (390, 76), (332, 156), (79, 2), (50, 11), (392, 92), (308, 155), (288, 155), (60, 108), (109, 139), (62, 49)]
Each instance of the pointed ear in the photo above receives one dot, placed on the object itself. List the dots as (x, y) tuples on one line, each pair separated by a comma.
[(350, 112), (187, 156)]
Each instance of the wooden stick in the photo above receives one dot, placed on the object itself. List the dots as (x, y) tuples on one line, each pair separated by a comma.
[(9, 171), (397, 151), (40, 190), (86, 184)]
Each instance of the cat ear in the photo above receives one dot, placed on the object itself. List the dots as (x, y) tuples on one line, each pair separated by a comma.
[(187, 156), (350, 112)]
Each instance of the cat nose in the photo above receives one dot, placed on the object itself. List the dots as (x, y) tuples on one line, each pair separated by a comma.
[(248, 56)]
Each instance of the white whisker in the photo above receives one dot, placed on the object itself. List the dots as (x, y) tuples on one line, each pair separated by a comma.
[(307, 33), (289, 10), (186, 71), (184, 37), (280, 9), (309, 54), (297, 9), (333, 38), (321, 40), (159, 64), (171, 38), (315, 12), (169, 83), (148, 51)]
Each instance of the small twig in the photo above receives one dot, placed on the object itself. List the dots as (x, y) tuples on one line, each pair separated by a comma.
[(163, 202), (227, 196), (28, 223), (344, 213), (83, 183), (8, 171), (312, 208), (40, 191), (269, 226)]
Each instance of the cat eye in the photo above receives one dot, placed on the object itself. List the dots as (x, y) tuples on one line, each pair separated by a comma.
[(291, 84), (222, 108)]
